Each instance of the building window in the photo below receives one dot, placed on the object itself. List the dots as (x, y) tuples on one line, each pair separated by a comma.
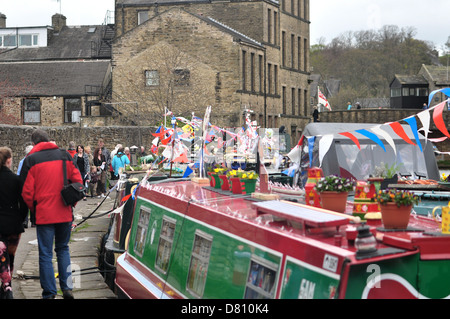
[(293, 100), (72, 110), (9, 41), (292, 50), (299, 53), (198, 268), (284, 99), (275, 78), (244, 70), (300, 101), (405, 91), (396, 92), (182, 77), (261, 279), (28, 40), (151, 78), (269, 78), (283, 48), (422, 92), (275, 27), (305, 54), (261, 73), (269, 25), (305, 102), (142, 17), (141, 232), (31, 111), (252, 72), (165, 244)]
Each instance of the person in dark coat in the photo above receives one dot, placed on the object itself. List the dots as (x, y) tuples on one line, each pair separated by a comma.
[(13, 211), (42, 173)]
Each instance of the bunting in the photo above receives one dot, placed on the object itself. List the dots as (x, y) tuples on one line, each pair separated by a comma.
[(374, 132)]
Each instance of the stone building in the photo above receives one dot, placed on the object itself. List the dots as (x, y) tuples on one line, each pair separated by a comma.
[(184, 55), (52, 75), (411, 91)]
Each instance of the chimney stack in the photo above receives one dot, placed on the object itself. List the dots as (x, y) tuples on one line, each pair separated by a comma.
[(58, 22), (2, 20)]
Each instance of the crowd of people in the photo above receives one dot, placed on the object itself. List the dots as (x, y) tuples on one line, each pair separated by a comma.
[(35, 191)]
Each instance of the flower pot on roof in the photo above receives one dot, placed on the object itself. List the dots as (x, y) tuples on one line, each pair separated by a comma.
[(242, 182), (396, 207), (386, 174), (214, 179), (333, 191)]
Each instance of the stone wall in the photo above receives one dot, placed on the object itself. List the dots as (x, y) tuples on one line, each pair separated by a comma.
[(18, 137)]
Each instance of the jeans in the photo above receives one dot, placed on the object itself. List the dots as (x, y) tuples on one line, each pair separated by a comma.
[(60, 234)]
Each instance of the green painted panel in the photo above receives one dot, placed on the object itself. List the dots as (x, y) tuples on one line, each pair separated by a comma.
[(434, 278), (307, 282), (230, 258), (402, 270)]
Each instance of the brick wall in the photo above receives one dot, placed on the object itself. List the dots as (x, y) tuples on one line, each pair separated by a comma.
[(18, 137)]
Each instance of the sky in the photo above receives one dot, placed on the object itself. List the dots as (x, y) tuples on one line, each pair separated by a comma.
[(330, 18), (26, 13)]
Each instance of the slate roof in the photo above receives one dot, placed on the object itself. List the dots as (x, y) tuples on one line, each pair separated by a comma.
[(53, 78), (72, 42), (411, 79)]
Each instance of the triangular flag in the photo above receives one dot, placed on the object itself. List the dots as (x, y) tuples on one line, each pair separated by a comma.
[(187, 172), (311, 141), (413, 125), (352, 137), (398, 129), (378, 130), (424, 118), (181, 159), (324, 146), (446, 91), (438, 120), (371, 136)]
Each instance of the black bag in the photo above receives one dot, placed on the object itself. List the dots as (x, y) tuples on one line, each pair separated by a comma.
[(71, 193)]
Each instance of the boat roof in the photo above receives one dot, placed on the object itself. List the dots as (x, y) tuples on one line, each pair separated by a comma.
[(287, 218)]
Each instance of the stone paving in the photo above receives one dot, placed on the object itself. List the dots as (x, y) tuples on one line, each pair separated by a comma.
[(84, 247)]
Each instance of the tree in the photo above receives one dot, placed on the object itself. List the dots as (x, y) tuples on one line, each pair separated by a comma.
[(366, 61)]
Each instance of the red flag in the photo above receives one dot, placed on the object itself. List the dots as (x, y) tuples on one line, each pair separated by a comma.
[(398, 129), (352, 137), (438, 120)]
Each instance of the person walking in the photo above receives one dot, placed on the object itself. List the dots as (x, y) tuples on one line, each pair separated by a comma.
[(42, 174), (107, 154), (19, 168), (13, 211), (81, 160), (119, 161), (100, 164)]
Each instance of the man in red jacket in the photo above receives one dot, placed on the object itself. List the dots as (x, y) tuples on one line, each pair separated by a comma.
[(42, 173)]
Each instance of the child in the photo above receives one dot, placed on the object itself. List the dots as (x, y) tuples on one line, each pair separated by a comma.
[(95, 175)]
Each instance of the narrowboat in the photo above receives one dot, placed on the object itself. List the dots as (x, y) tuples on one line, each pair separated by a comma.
[(189, 240)]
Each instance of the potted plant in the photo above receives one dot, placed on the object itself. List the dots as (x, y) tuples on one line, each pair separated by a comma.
[(333, 191), (214, 176), (242, 181), (387, 174), (396, 207)]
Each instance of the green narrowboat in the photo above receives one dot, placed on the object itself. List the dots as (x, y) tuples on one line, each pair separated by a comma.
[(189, 240)]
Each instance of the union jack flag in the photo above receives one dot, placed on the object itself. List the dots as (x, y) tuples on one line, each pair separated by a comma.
[(323, 100)]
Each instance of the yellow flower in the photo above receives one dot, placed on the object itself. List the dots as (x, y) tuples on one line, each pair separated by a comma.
[(244, 175)]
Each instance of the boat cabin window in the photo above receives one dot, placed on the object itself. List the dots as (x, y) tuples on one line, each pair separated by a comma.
[(198, 268), (261, 279), (141, 233), (165, 243)]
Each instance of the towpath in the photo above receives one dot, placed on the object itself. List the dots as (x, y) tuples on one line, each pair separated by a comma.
[(84, 246)]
